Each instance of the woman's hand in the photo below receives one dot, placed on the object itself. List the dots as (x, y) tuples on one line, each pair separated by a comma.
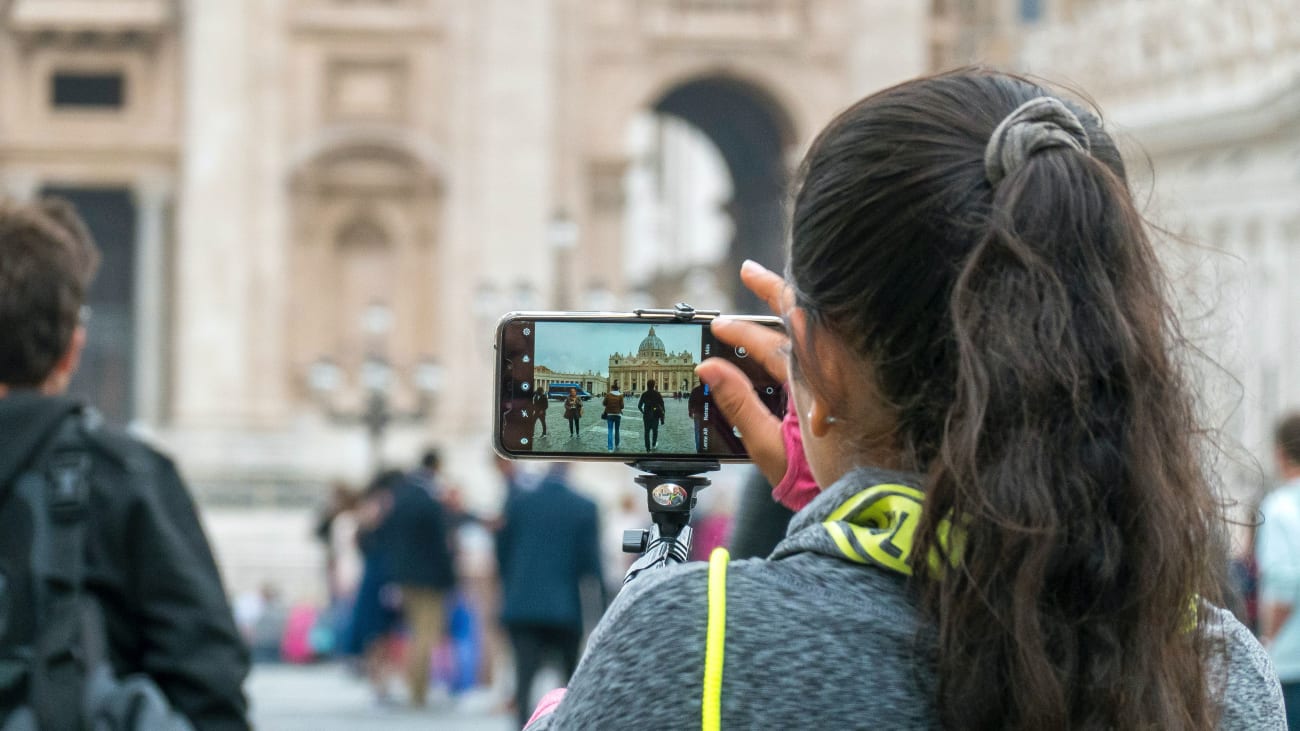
[(733, 392)]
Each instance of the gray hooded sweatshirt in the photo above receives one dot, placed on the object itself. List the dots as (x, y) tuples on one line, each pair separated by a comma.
[(813, 640)]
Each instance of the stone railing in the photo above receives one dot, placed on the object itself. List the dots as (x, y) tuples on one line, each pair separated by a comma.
[(722, 20), (1136, 50)]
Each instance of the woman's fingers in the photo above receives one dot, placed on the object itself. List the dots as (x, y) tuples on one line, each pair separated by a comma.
[(760, 430), (768, 285), (766, 345)]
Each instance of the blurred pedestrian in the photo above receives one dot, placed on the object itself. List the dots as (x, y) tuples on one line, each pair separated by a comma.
[(336, 530), (374, 611), (1278, 556), (267, 630), (547, 544), (421, 556), (103, 557)]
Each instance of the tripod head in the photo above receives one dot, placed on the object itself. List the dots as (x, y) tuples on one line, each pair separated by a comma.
[(670, 495)]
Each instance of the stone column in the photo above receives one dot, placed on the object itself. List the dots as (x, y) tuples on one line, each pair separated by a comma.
[(151, 253), (603, 248), (215, 232)]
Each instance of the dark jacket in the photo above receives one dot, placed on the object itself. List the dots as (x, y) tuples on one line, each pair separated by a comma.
[(419, 545), (695, 406), (549, 541), (651, 404), (147, 563)]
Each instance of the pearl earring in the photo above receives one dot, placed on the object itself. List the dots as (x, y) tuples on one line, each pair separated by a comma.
[(829, 419)]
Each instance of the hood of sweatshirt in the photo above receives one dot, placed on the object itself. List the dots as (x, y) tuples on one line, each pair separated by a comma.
[(869, 516), (27, 419)]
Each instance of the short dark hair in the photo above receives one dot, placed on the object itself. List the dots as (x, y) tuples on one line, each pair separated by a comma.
[(1287, 437), (47, 259), (431, 460)]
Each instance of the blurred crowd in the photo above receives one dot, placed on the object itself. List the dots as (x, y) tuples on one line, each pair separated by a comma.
[(431, 603)]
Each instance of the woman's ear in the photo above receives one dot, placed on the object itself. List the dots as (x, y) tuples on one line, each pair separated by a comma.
[(824, 370)]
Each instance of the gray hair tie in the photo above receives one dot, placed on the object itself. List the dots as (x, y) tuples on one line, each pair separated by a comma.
[(1038, 124)]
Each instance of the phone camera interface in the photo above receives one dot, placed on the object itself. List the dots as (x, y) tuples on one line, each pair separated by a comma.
[(587, 388)]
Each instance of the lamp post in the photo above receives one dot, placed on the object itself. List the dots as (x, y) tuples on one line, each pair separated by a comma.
[(378, 382)]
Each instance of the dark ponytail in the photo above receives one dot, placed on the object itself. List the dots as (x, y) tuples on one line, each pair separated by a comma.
[(1018, 325)]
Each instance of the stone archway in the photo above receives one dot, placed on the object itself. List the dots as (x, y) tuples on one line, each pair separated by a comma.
[(753, 135), (756, 78)]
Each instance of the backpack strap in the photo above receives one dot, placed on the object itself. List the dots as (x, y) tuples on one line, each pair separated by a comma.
[(59, 495), (715, 640)]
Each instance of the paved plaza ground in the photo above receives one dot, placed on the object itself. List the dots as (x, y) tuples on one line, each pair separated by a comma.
[(327, 698), (676, 434)]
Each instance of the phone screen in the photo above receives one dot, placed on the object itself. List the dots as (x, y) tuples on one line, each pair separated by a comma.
[(621, 389)]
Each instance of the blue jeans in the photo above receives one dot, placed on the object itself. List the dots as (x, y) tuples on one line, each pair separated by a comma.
[(612, 423)]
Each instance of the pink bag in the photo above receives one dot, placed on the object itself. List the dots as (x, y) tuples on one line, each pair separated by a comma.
[(295, 646)]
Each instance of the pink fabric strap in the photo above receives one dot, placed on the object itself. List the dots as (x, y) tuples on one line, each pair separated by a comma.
[(547, 705), (798, 487)]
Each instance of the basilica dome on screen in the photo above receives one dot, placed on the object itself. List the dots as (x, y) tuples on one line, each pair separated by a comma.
[(671, 372)]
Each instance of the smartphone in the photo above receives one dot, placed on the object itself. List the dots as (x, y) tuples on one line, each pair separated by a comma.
[(616, 387)]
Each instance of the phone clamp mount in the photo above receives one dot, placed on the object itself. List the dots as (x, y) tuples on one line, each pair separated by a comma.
[(670, 494), (680, 312)]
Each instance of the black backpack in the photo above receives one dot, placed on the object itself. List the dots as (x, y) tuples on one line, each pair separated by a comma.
[(69, 681)]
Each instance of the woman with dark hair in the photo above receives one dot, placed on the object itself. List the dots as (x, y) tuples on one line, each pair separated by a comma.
[(374, 613), (1005, 522)]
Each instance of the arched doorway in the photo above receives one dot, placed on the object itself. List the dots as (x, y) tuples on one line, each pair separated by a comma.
[(739, 131)]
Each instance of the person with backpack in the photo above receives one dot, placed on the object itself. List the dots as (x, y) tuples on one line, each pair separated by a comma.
[(112, 612), (651, 406), (1011, 525)]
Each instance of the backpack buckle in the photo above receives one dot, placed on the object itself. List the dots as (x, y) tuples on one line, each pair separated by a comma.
[(69, 493)]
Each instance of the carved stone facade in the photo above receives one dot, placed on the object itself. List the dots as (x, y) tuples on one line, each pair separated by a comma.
[(289, 165), (266, 172), (1206, 96)]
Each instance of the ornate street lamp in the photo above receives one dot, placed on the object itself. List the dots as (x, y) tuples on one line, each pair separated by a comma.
[(379, 381)]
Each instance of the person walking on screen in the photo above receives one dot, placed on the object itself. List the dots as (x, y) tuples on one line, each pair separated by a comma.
[(613, 417), (573, 412), (1278, 555), (547, 544), (651, 406), (540, 402), (695, 409)]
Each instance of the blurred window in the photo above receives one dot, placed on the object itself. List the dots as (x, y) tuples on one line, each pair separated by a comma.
[(1031, 11), (106, 376), (88, 90)]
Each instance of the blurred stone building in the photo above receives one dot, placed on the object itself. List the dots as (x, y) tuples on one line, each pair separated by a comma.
[(307, 203), (1206, 96), (314, 211)]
